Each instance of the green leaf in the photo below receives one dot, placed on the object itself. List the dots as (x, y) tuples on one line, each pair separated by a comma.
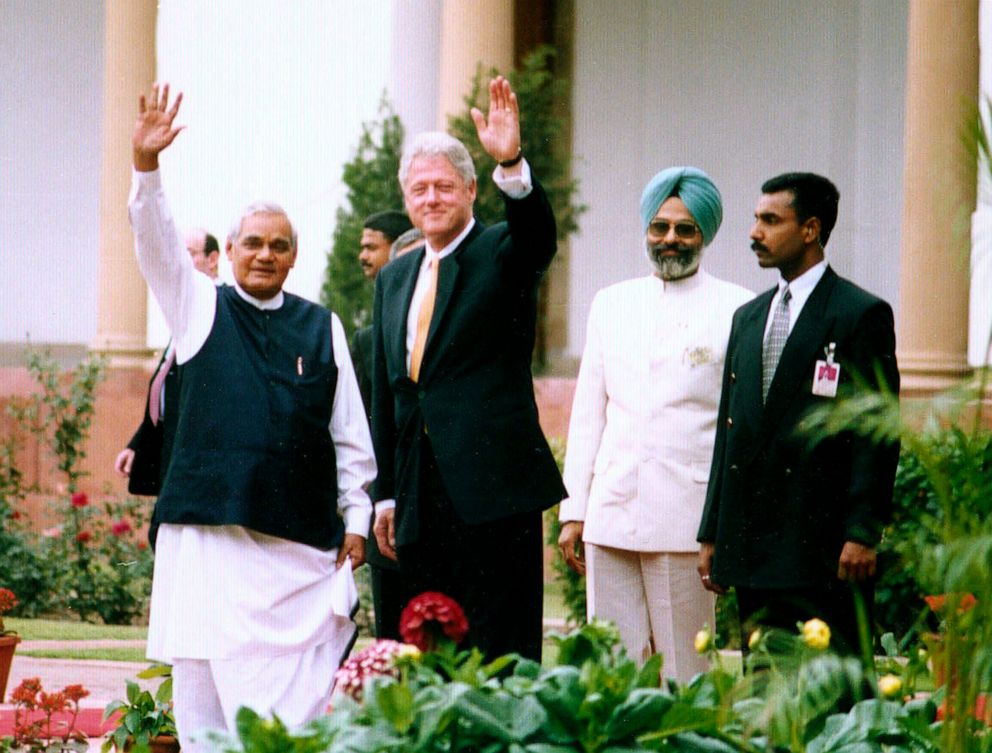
[(396, 703), (640, 712), (501, 716)]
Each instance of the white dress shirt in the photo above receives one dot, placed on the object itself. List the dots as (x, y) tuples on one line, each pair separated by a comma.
[(801, 288)]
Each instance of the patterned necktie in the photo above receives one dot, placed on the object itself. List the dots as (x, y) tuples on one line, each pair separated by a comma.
[(155, 392), (775, 342), (424, 319)]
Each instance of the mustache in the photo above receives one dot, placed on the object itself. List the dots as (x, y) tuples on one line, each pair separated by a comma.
[(755, 246), (678, 248)]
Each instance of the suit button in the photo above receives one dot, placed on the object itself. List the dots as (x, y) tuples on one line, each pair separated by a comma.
[(734, 468), (730, 421), (421, 395), (788, 471), (733, 377)]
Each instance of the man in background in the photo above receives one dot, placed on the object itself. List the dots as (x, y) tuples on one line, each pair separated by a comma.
[(379, 234), (145, 460)]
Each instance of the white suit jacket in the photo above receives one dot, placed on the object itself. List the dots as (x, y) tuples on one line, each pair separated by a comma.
[(643, 421)]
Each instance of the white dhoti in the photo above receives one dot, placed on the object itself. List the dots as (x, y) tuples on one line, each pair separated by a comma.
[(247, 619), (656, 602)]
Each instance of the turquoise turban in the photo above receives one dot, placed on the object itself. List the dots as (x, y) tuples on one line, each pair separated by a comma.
[(697, 192)]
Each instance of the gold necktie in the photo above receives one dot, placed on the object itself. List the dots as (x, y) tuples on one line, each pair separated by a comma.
[(424, 319)]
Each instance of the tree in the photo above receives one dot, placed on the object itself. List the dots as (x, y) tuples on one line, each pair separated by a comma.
[(372, 186)]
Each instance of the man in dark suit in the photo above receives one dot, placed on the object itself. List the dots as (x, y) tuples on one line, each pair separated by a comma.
[(379, 231), (455, 423), (146, 458), (793, 527)]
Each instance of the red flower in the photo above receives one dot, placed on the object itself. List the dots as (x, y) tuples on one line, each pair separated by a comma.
[(430, 617), (25, 692), (142, 545), (120, 527), (52, 702), (15, 515), (75, 693), (7, 600), (939, 602), (83, 536), (79, 499)]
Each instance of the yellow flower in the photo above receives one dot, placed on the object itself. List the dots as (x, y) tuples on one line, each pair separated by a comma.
[(703, 642), (408, 651), (889, 686), (754, 640), (816, 633)]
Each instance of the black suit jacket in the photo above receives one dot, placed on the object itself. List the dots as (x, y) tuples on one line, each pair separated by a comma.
[(152, 443), (475, 395), (778, 511), (361, 359)]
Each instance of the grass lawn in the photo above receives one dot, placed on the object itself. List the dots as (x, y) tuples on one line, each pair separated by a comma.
[(57, 630), (101, 654)]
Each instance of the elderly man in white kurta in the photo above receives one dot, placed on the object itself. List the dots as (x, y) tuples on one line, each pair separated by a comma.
[(642, 428), (263, 512)]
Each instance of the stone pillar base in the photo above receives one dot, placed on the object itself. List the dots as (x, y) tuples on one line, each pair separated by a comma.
[(124, 351), (926, 375)]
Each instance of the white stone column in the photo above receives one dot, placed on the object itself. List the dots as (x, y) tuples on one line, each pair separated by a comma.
[(980, 314), (472, 31), (939, 194), (129, 69)]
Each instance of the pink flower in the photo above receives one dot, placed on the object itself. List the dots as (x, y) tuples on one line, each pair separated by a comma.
[(378, 660), (79, 499), (120, 527), (83, 537), (52, 533), (431, 616)]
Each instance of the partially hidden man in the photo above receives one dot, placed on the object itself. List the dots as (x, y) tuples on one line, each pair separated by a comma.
[(794, 527), (262, 513), (641, 433), (454, 417)]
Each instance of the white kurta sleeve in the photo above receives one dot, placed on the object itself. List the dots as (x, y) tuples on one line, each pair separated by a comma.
[(587, 422), (352, 441), (187, 298)]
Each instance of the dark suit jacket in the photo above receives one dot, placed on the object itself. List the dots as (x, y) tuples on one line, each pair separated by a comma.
[(779, 512), (152, 443), (361, 357), (476, 392)]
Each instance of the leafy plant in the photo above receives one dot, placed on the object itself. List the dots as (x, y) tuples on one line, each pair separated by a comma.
[(92, 563), (142, 715)]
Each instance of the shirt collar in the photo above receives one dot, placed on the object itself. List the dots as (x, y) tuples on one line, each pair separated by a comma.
[(271, 304), (449, 249), (804, 284), (680, 286)]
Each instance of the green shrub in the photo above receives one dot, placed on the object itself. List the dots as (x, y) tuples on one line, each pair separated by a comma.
[(964, 464), (92, 563), (372, 186)]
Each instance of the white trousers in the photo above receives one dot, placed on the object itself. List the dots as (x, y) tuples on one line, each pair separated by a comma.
[(209, 692), (656, 601)]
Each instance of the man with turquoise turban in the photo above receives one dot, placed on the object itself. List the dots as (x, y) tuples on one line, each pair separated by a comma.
[(642, 429)]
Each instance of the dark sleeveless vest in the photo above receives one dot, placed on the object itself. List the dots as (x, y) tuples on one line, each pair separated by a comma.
[(252, 445)]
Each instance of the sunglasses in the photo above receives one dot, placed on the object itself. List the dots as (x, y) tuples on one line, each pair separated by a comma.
[(683, 230)]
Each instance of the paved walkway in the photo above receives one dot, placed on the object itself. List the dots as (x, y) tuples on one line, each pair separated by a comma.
[(106, 680)]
